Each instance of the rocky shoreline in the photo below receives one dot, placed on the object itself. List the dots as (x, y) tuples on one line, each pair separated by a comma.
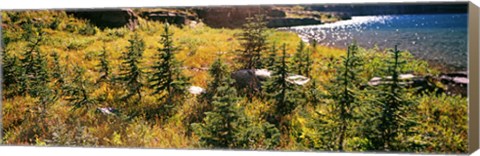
[(276, 16)]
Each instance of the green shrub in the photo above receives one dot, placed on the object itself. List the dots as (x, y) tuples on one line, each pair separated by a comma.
[(88, 30), (77, 44)]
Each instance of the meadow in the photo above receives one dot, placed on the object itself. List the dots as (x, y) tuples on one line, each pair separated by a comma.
[(58, 71)]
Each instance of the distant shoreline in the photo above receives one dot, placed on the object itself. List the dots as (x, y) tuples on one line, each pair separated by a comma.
[(394, 9)]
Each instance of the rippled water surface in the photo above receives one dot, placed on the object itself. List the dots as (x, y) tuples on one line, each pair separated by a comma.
[(437, 37)]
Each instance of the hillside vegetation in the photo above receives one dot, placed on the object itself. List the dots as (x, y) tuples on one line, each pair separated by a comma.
[(61, 72)]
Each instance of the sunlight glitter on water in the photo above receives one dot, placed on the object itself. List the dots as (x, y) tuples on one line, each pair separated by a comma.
[(356, 21), (438, 37)]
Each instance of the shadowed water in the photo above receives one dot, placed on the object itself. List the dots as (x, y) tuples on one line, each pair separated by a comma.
[(440, 38)]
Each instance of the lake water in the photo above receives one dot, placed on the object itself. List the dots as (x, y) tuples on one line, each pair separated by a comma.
[(440, 38)]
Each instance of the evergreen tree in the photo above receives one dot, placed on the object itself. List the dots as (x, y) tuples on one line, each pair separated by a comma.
[(281, 91), (309, 58), (41, 75), (47, 98), (314, 43), (131, 74), (253, 41), (12, 72), (221, 125), (302, 62), (271, 59), (31, 30), (308, 63), (344, 94), (298, 63), (35, 75), (104, 66), (393, 105), (218, 71), (167, 78), (225, 126), (313, 94), (105, 80), (58, 71), (258, 135), (77, 90)]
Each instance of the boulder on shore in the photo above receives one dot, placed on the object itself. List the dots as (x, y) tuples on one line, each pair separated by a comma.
[(454, 83), (421, 84)]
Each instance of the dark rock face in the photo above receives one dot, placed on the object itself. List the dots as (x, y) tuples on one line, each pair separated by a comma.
[(276, 14), (288, 22), (234, 17), (179, 19), (230, 17), (215, 17), (112, 18)]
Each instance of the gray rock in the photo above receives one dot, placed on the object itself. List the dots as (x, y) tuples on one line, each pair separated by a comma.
[(176, 18), (246, 78)]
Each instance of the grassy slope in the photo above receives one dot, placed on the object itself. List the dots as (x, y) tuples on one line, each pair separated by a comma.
[(199, 46)]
